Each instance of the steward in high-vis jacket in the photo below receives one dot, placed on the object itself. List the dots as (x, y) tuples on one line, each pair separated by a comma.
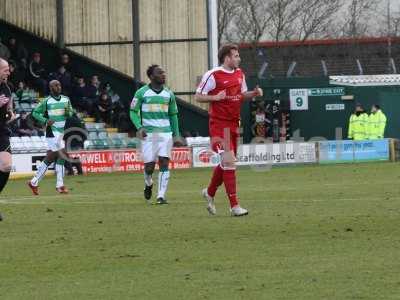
[(376, 123), (358, 124)]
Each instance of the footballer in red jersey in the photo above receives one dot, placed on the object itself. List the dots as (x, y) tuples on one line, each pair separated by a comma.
[(224, 88)]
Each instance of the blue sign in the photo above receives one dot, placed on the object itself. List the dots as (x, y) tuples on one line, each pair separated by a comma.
[(353, 151)]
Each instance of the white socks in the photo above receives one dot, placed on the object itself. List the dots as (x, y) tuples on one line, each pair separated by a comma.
[(60, 175), (163, 178), (39, 173)]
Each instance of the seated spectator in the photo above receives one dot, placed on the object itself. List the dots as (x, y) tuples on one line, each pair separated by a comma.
[(79, 97), (4, 51), (64, 77), (93, 88), (18, 53), (106, 88), (24, 93), (16, 76), (22, 127), (117, 110), (66, 62), (104, 109), (38, 74)]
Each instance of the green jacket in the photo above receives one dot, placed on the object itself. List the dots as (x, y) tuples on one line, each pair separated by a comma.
[(358, 127), (376, 125)]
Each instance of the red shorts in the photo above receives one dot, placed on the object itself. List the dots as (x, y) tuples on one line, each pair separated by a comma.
[(224, 135)]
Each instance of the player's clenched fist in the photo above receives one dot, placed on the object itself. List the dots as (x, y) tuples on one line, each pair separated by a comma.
[(141, 133)]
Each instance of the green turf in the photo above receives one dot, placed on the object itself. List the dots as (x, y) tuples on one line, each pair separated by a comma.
[(330, 232)]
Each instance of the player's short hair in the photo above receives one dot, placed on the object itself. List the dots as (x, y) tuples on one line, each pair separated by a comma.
[(225, 50), (151, 69)]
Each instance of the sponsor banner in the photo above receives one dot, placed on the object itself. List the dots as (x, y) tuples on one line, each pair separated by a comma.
[(353, 151), (260, 154), (204, 157), (275, 154), (26, 162), (126, 160)]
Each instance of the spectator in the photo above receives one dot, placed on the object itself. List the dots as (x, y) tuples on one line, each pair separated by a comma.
[(16, 76), (64, 77), (4, 51), (117, 110), (23, 93), (104, 109), (376, 123), (38, 74), (93, 89), (358, 124), (79, 97), (66, 62), (260, 122), (22, 127), (18, 53)]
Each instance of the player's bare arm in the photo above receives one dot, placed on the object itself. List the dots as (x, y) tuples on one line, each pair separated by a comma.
[(257, 92)]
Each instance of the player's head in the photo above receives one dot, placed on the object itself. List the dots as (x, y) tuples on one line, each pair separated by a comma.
[(375, 108), (228, 55), (4, 70), (55, 87), (156, 74)]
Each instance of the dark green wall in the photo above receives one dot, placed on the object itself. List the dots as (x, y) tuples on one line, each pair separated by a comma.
[(191, 119), (317, 122)]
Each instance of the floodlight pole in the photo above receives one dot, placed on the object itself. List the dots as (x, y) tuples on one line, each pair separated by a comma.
[(136, 39), (212, 32), (60, 23)]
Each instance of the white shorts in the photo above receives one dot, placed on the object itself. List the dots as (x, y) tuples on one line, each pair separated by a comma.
[(55, 143), (156, 145)]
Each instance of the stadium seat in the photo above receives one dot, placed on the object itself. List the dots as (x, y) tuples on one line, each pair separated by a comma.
[(36, 138), (100, 125), (88, 145), (132, 142), (113, 135), (102, 135), (122, 135), (92, 135), (116, 143)]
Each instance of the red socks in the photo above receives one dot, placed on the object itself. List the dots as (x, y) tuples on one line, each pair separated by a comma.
[(216, 181), (229, 178)]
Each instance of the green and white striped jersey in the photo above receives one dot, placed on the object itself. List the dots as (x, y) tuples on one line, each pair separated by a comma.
[(56, 109), (155, 108)]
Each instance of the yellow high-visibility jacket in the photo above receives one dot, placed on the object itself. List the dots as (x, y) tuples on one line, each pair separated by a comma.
[(376, 125), (358, 127)]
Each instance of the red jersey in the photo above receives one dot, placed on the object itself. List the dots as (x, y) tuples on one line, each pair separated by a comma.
[(234, 83)]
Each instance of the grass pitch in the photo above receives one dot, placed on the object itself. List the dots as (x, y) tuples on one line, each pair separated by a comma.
[(314, 232)]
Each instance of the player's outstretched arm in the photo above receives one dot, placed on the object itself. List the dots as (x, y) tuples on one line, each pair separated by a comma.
[(257, 92)]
